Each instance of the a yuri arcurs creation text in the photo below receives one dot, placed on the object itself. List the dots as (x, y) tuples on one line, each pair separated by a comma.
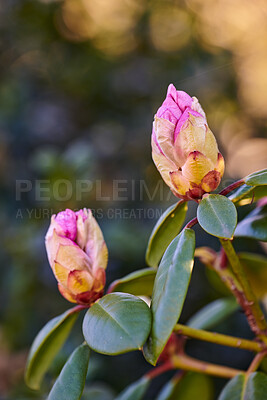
[(117, 319)]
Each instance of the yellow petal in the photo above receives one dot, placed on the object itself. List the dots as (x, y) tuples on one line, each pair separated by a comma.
[(220, 164), (210, 149), (67, 294), (196, 167), (191, 137), (180, 183), (72, 257), (163, 164), (53, 242), (96, 248), (79, 282), (61, 274)]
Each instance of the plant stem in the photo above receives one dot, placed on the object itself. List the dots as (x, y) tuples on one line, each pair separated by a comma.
[(250, 303), (220, 266), (218, 338), (256, 362), (232, 187), (168, 365), (191, 223), (77, 308), (187, 363)]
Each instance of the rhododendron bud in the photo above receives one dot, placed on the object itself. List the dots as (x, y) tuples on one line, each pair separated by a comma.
[(78, 255), (184, 149)]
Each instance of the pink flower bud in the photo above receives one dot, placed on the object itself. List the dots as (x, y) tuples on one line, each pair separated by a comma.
[(183, 147), (78, 255)]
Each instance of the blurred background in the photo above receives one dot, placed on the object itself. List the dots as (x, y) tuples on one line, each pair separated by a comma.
[(80, 81)]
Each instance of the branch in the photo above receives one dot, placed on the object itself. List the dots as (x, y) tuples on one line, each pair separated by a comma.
[(249, 303), (191, 223), (187, 363), (232, 187), (167, 366), (78, 308), (218, 338), (256, 362)]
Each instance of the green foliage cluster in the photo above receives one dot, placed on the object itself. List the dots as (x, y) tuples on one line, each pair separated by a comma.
[(121, 322)]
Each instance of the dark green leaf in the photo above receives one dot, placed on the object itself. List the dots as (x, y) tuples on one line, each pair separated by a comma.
[(117, 323), (192, 386), (70, 383), (240, 388), (135, 391), (165, 230), (257, 178), (213, 314), (254, 226), (170, 288), (45, 347), (138, 283), (217, 215)]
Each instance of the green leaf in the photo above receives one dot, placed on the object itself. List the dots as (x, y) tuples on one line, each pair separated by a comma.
[(138, 283), (240, 193), (254, 225), (263, 365), (70, 383), (117, 323), (169, 389), (257, 178), (255, 266), (135, 391), (165, 230), (213, 314), (216, 282), (170, 288), (240, 388), (217, 215), (46, 345), (253, 260), (248, 194), (192, 386)]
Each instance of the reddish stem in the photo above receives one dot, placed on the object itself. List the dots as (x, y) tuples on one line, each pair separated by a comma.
[(232, 187), (160, 370), (223, 259), (191, 223), (256, 362), (78, 309), (111, 287)]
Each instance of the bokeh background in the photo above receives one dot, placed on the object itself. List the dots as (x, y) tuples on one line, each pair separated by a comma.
[(80, 81)]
